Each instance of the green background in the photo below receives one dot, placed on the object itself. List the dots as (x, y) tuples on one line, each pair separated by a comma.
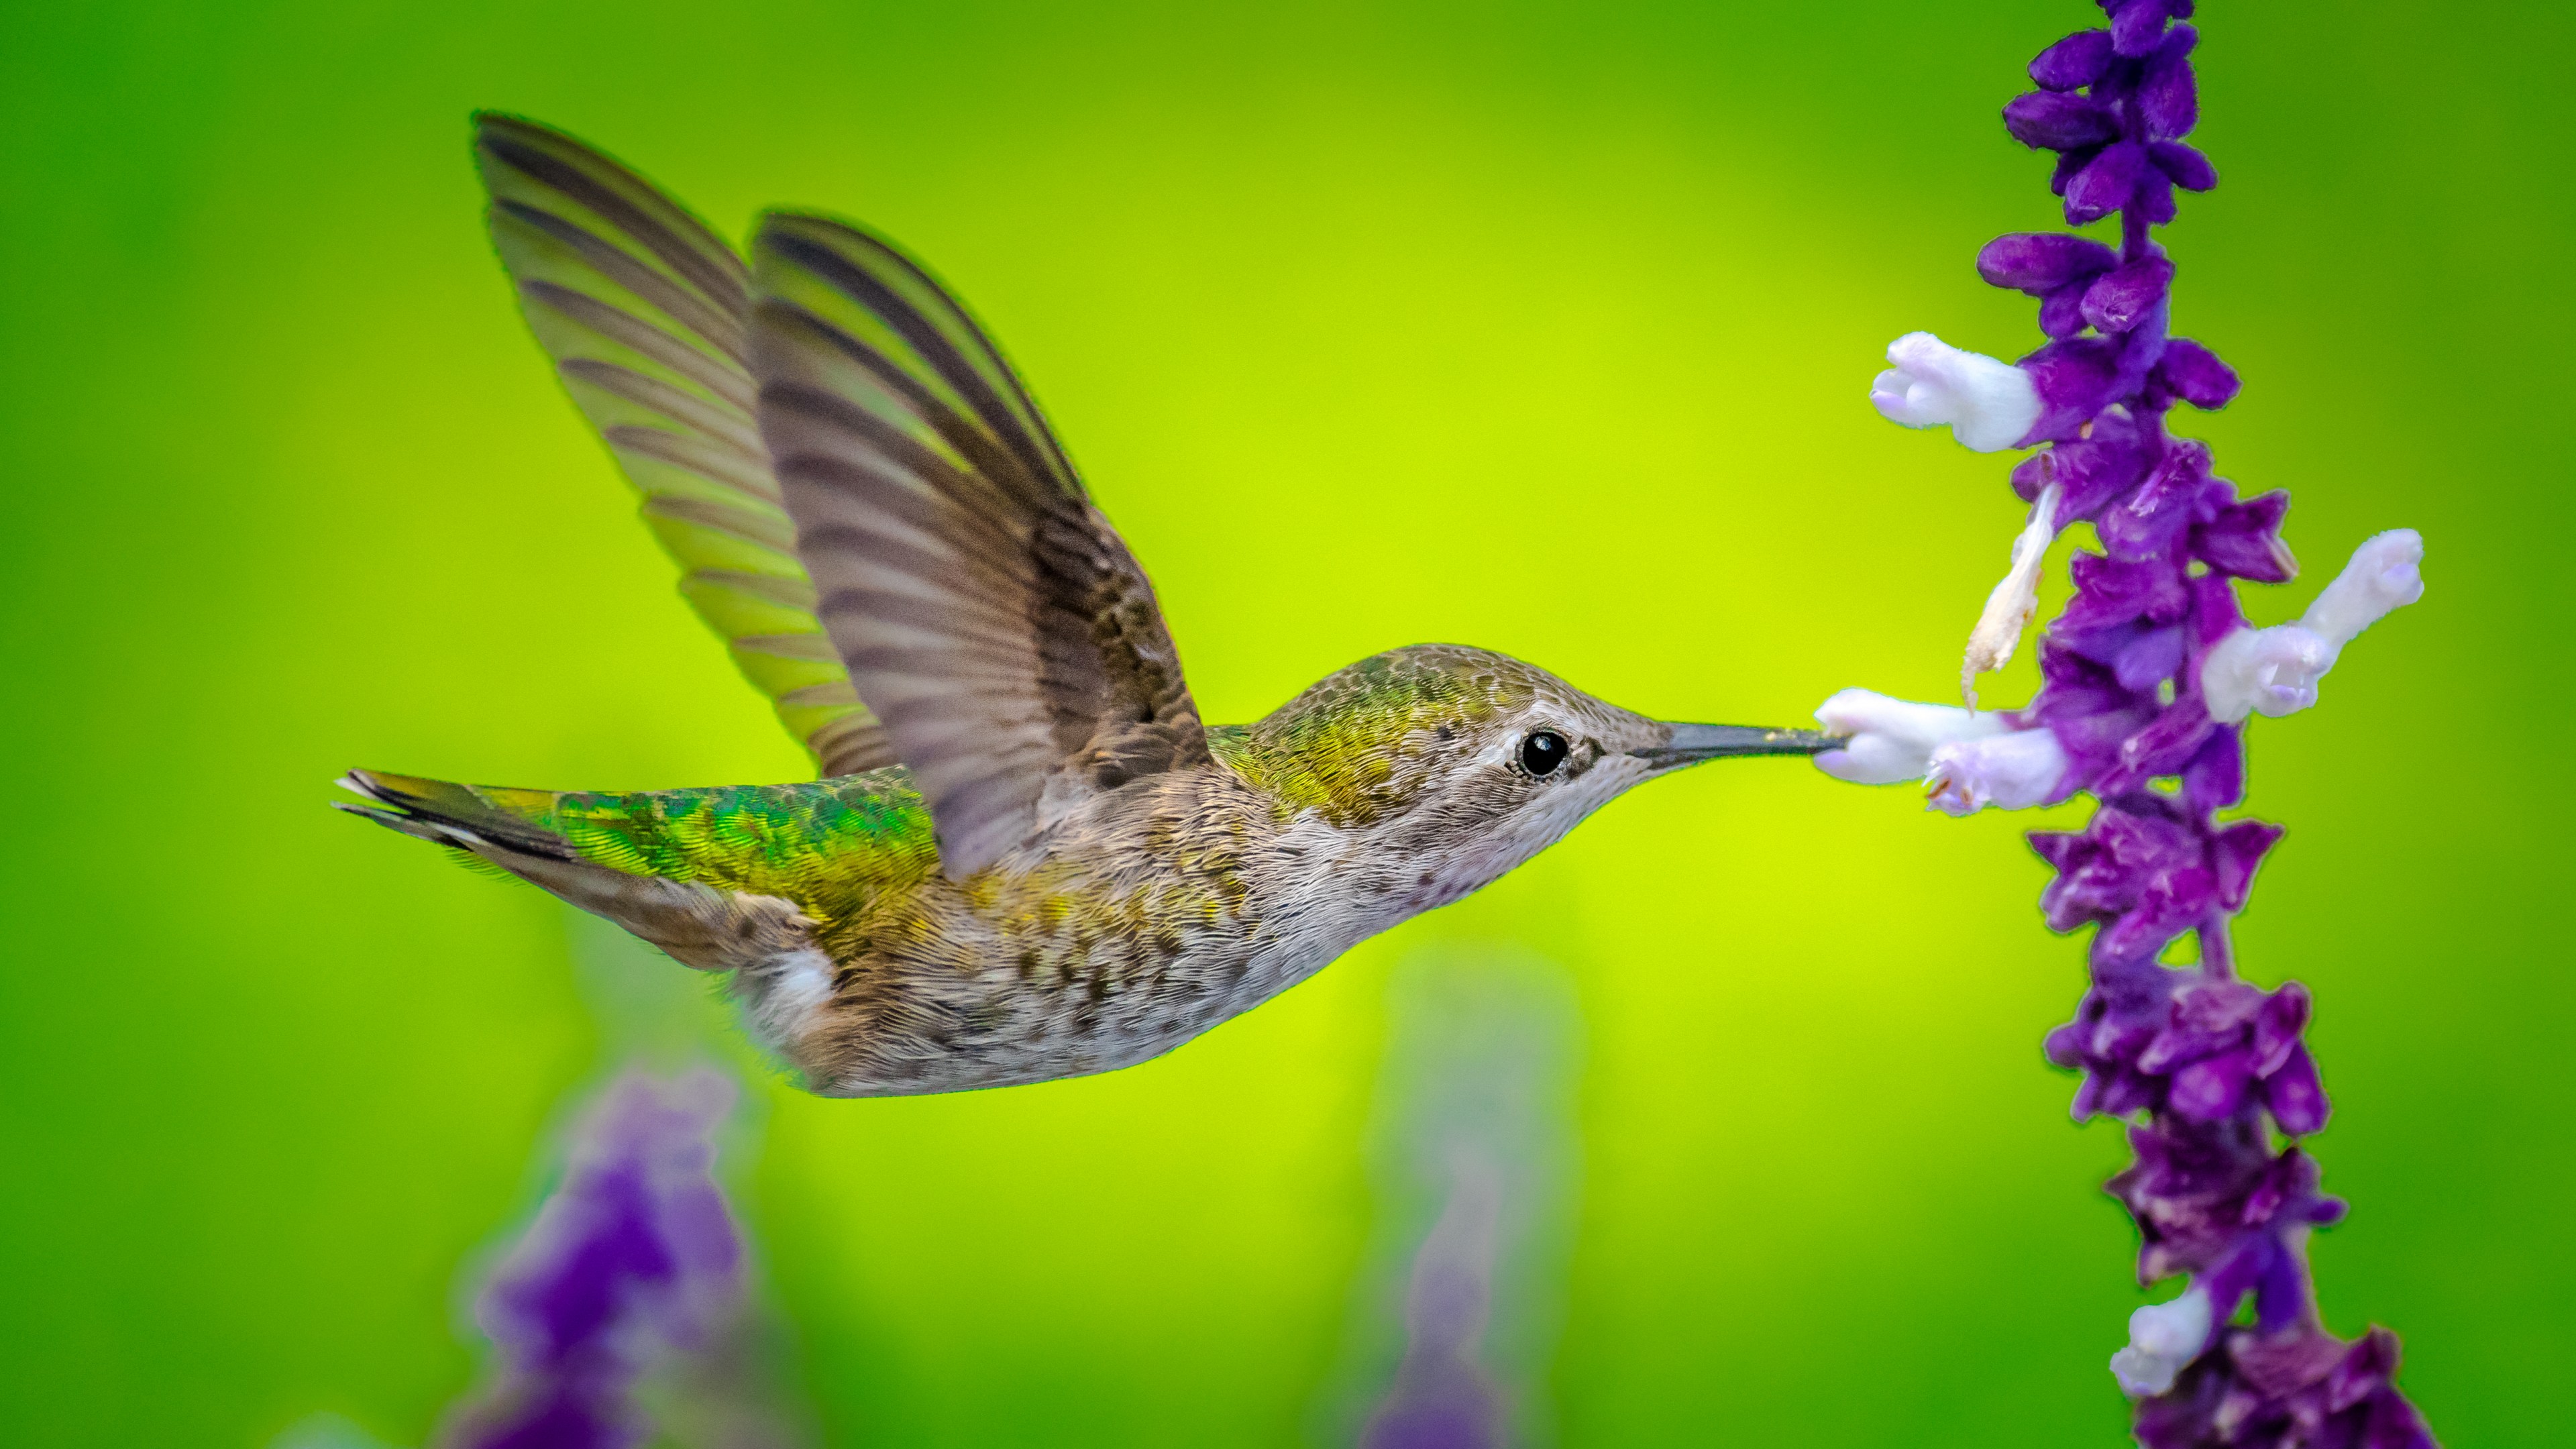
[(1540, 327)]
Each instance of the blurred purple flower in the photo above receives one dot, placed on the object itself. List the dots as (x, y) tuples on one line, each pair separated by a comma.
[(1474, 1175), (1442, 1398), (633, 1259), (2148, 680)]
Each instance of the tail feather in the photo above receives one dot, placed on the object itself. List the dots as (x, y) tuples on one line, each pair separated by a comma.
[(698, 924), (454, 815)]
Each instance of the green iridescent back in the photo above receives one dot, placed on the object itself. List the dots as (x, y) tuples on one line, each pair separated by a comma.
[(831, 846)]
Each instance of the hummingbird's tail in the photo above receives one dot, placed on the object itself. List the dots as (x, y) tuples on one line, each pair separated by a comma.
[(481, 822), (697, 923)]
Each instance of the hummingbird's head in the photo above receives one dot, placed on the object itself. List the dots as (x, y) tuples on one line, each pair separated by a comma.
[(1457, 764)]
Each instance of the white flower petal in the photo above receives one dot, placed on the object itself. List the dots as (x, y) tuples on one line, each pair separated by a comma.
[(1988, 404), (2163, 1340), (2275, 671), (2385, 574), (1893, 739), (2010, 772)]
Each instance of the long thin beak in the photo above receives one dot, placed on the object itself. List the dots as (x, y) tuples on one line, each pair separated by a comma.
[(1689, 744)]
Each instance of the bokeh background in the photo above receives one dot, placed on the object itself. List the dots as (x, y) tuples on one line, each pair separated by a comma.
[(1541, 327)]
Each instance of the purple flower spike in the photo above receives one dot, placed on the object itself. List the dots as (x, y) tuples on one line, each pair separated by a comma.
[(2073, 63), (632, 1258), (2148, 681)]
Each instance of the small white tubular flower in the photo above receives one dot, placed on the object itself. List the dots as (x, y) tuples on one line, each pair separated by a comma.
[(1988, 404), (2275, 671), (2014, 600), (2009, 771), (2385, 574), (1892, 740), (2163, 1340)]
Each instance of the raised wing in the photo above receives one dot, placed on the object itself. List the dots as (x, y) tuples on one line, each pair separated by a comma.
[(991, 618), (644, 311)]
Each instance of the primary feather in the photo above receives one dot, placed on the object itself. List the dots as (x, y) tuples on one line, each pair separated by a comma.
[(645, 312)]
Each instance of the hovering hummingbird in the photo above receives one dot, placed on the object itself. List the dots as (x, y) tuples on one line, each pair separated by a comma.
[(1027, 858)]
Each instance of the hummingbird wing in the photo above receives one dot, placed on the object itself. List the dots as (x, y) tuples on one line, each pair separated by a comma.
[(990, 616), (644, 311)]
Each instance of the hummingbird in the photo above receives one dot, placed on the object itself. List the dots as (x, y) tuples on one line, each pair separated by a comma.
[(1025, 856)]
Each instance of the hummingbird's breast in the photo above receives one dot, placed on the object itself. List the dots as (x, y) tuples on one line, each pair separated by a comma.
[(1142, 919)]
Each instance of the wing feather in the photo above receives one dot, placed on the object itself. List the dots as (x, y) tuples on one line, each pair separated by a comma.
[(645, 313), (990, 617)]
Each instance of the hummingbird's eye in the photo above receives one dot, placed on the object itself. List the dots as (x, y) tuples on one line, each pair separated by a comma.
[(1542, 752)]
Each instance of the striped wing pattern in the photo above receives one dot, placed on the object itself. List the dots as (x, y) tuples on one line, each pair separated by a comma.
[(645, 311), (991, 618)]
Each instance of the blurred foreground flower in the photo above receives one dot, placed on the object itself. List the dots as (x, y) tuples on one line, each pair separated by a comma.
[(621, 1315), (632, 1260), (2148, 678), (1474, 1184)]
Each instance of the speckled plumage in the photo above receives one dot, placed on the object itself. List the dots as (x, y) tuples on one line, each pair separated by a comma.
[(1065, 872)]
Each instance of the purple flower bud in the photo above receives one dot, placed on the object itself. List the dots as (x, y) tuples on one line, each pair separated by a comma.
[(2150, 659), (2185, 1042), (2277, 1027), (2236, 851), (2114, 1094), (2193, 373), (2064, 1047), (2117, 299), (2031, 476), (2073, 63), (2137, 26), (2211, 1088), (2075, 380), (2162, 748), (2093, 471), (2106, 183), (2214, 614), (2214, 778), (2039, 262), (2245, 540), (2053, 121), (2188, 169), (2088, 711), (2068, 163), (2219, 1006), (2061, 313), (2146, 523), (2363, 1373), (2167, 98), (2295, 1096), (2153, 201), (2108, 592)]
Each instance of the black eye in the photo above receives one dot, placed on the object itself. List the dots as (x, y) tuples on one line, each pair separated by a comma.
[(1542, 752)]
